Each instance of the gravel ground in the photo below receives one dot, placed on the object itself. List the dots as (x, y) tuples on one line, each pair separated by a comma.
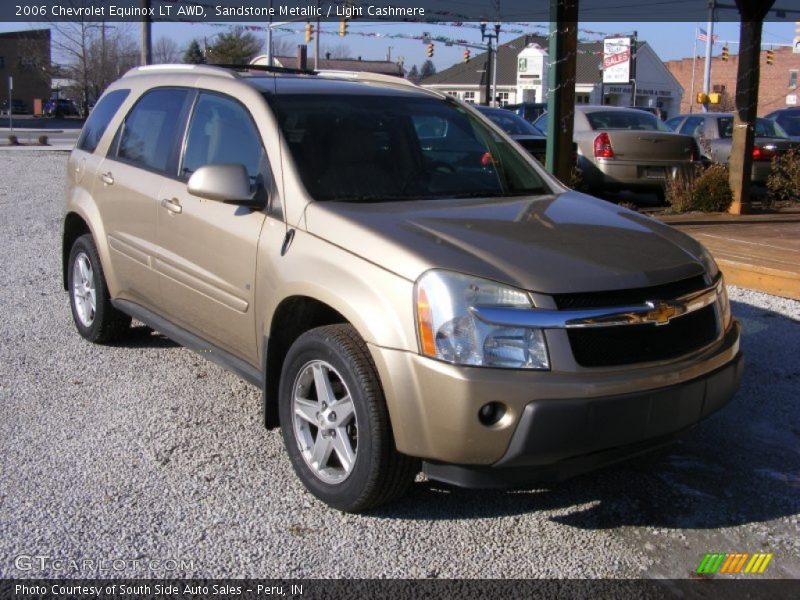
[(144, 453)]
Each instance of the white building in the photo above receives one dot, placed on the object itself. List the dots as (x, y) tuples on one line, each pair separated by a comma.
[(520, 61)]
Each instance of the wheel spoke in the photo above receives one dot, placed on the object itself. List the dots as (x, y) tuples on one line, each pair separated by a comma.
[(321, 451), (341, 444), (344, 410), (306, 409), (83, 270), (323, 384)]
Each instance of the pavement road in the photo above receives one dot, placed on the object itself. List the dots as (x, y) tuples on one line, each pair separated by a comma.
[(144, 451)]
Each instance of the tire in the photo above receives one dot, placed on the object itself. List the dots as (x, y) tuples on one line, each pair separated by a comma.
[(337, 357), (95, 317)]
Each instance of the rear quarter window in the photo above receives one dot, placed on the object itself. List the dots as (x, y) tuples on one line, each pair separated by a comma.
[(100, 117)]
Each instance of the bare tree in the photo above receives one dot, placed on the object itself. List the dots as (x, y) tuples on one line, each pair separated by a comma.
[(283, 47), (337, 51), (91, 55), (165, 51)]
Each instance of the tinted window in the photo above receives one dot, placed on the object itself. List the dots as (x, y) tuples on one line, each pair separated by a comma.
[(151, 129), (366, 148), (511, 122), (790, 123), (637, 120), (764, 128), (222, 132), (693, 126), (99, 119), (673, 123)]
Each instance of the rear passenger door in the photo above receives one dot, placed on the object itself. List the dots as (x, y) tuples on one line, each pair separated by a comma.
[(208, 248), (141, 157)]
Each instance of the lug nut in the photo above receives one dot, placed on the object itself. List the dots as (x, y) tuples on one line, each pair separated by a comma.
[(331, 416)]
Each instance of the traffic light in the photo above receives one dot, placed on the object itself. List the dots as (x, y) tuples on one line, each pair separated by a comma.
[(430, 50), (726, 53), (701, 98), (770, 57), (309, 32), (467, 55), (343, 28)]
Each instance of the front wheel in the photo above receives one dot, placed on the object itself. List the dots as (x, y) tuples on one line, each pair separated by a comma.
[(335, 423), (95, 317)]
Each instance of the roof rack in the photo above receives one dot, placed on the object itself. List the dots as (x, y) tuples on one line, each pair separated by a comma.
[(212, 70), (365, 76), (267, 69)]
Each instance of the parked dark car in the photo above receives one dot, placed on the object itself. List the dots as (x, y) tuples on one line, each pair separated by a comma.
[(18, 107), (530, 111), (528, 136), (60, 107), (789, 120), (714, 135)]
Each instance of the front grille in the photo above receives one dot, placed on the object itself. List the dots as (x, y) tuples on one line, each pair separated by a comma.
[(611, 346), (668, 291), (631, 344)]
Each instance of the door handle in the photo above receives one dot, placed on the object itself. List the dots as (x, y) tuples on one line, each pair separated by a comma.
[(173, 205), (107, 178)]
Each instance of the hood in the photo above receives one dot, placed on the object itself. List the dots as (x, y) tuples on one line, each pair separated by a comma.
[(565, 243)]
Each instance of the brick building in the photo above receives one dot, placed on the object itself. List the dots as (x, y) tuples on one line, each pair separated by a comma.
[(778, 84), (25, 56)]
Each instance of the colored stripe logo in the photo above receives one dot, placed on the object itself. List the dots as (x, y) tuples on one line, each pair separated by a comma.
[(736, 562)]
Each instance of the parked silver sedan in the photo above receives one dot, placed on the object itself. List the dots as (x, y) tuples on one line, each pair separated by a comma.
[(714, 135), (627, 148)]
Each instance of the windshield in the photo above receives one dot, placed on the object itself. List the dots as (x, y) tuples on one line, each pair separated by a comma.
[(373, 148), (764, 128), (511, 122), (634, 119)]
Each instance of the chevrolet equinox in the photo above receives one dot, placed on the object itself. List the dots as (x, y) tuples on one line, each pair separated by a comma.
[(409, 289)]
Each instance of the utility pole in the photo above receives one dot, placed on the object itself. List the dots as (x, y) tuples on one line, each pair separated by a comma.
[(269, 36), (147, 29), (491, 77), (633, 67), (709, 51), (563, 52), (316, 42), (748, 74)]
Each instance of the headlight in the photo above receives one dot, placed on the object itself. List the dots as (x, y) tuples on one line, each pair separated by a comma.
[(708, 262), (450, 332)]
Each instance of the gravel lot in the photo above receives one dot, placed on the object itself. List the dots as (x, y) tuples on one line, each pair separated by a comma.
[(145, 452)]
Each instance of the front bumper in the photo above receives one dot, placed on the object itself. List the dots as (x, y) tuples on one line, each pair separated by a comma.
[(556, 439), (551, 416)]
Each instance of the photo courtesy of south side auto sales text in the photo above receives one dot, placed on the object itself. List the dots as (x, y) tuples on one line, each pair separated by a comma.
[(166, 11), (99, 590)]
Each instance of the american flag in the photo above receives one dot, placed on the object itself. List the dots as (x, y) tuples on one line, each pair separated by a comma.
[(703, 36)]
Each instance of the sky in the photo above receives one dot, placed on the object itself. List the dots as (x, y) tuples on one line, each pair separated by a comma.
[(669, 40)]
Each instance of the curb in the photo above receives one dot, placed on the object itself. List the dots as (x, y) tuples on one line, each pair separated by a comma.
[(760, 278), (36, 148)]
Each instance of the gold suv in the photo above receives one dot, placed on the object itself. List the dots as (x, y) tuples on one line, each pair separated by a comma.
[(408, 287)]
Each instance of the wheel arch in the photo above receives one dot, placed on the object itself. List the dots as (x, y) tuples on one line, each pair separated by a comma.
[(74, 227), (293, 316)]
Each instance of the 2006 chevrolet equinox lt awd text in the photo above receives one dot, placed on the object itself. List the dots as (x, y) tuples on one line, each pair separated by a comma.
[(407, 286)]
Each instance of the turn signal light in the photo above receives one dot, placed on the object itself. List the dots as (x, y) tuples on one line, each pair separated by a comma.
[(602, 146)]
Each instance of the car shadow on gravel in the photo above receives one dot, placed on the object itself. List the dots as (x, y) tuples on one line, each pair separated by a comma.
[(142, 336), (740, 466)]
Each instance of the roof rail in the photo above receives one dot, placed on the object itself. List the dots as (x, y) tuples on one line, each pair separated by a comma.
[(365, 76), (180, 68), (266, 68)]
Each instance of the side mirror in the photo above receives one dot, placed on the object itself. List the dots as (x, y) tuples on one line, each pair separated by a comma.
[(223, 183)]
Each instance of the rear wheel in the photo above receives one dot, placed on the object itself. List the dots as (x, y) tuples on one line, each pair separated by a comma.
[(335, 423), (95, 317)]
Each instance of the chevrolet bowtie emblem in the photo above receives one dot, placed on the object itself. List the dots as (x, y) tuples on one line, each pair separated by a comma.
[(662, 313)]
